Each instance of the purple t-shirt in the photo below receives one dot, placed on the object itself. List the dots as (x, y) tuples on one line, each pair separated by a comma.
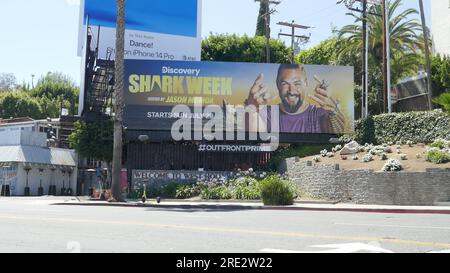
[(314, 120)]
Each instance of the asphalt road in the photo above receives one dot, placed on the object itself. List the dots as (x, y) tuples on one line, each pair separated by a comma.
[(35, 225)]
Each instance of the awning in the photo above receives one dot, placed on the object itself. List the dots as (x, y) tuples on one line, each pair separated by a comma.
[(37, 155)]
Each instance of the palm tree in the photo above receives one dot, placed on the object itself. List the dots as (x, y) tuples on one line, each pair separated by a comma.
[(406, 43), (116, 190)]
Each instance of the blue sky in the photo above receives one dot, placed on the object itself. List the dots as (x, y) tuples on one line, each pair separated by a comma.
[(41, 36)]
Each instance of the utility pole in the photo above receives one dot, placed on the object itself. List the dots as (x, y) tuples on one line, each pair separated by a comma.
[(386, 58), (365, 55), (292, 35), (267, 14), (426, 36), (365, 80)]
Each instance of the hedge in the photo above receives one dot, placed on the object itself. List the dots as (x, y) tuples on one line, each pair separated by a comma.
[(419, 127)]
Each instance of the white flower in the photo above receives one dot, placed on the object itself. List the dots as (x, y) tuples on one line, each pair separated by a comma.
[(392, 165), (367, 158)]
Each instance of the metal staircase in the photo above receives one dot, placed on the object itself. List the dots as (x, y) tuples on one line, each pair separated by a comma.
[(99, 81)]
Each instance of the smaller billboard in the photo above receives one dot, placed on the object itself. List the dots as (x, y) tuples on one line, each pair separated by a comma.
[(155, 30)]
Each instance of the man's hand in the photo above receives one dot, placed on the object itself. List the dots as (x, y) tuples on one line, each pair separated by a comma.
[(258, 93), (321, 96)]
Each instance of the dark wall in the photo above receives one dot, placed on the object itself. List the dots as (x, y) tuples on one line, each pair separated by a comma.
[(185, 156)]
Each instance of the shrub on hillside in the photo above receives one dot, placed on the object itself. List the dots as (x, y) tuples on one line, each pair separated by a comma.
[(392, 165), (438, 156), (440, 144), (277, 192), (416, 127), (365, 130)]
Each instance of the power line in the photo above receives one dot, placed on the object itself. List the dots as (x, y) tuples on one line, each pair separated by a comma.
[(293, 27)]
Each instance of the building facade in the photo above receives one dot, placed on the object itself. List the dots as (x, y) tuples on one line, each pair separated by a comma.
[(440, 26), (28, 167)]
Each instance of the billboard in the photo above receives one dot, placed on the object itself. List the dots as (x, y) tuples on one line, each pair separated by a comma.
[(155, 30), (309, 99)]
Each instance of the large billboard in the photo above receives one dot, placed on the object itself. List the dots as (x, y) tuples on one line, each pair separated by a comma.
[(309, 99), (155, 30)]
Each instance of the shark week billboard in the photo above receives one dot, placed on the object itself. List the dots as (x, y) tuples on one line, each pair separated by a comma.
[(302, 99)]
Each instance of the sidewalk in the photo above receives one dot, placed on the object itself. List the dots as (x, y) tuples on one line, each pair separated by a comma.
[(250, 205)]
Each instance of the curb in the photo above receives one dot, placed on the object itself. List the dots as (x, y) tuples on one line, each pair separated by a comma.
[(258, 207), (220, 201)]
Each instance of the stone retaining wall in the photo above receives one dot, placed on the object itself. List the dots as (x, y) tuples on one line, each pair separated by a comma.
[(369, 187)]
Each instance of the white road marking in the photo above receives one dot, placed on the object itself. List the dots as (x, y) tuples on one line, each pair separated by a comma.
[(391, 226), (337, 248), (440, 251)]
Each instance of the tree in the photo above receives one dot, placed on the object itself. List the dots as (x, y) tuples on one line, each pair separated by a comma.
[(8, 82), (324, 53), (116, 190), (406, 43), (94, 140), (261, 22), (233, 48), (440, 74), (14, 105), (444, 101), (57, 77), (55, 91)]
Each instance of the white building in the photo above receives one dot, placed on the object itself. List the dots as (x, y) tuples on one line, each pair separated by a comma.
[(440, 26), (29, 124), (27, 162)]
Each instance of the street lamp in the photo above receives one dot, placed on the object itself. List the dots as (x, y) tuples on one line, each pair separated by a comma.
[(52, 187), (69, 191), (5, 187), (40, 189), (63, 189), (27, 169)]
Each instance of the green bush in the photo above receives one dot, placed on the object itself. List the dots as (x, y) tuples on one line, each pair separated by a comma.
[(365, 131), (444, 101), (277, 192), (216, 193), (187, 191), (418, 127), (440, 144), (438, 157), (246, 188), (169, 190)]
